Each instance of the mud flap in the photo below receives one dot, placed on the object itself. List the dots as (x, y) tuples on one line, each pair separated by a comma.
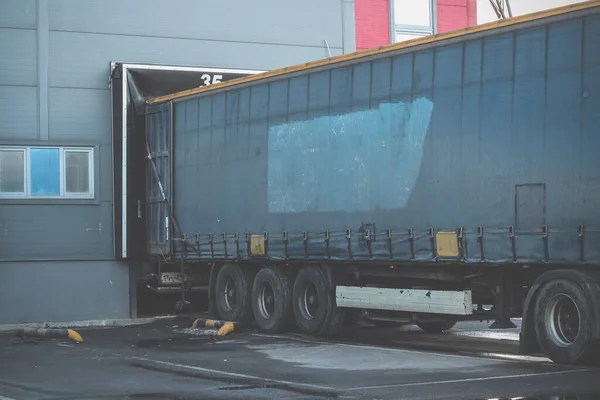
[(212, 305)]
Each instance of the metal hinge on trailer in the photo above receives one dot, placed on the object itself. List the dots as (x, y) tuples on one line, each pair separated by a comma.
[(170, 217)]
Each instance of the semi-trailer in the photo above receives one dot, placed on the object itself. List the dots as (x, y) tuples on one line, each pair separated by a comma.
[(420, 181)]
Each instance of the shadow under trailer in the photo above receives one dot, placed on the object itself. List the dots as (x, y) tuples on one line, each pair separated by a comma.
[(419, 181)]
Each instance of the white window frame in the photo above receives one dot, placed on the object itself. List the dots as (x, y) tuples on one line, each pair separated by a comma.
[(417, 30), (63, 150)]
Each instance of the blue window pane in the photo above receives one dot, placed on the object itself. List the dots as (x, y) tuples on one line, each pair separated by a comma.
[(44, 172)]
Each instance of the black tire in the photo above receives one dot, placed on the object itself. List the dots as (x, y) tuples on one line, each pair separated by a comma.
[(233, 306), (321, 317), (437, 326), (563, 300), (272, 316)]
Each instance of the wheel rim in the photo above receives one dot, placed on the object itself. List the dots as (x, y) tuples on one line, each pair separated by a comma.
[(229, 294), (563, 320), (309, 301), (266, 300)]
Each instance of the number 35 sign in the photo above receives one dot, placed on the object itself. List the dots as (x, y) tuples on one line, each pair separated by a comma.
[(207, 79)]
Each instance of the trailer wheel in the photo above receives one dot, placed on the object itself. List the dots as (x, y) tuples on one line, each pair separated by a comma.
[(437, 326), (313, 302), (232, 289), (272, 299), (563, 322)]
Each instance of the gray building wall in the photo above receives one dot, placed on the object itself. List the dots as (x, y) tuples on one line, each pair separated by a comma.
[(57, 258)]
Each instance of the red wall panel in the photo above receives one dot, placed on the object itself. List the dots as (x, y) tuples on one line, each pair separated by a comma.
[(452, 15), (373, 23), (471, 12)]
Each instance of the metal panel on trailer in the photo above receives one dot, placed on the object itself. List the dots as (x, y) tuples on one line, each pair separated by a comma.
[(373, 160), (458, 302)]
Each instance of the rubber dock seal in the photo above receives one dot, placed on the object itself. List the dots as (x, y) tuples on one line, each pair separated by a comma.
[(224, 327), (50, 333)]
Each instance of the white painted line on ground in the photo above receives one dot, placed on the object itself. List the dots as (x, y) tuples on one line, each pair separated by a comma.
[(405, 351), (517, 357), (5, 398), (490, 378), (365, 346), (505, 357), (231, 374)]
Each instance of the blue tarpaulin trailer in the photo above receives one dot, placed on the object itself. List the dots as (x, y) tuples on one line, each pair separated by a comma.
[(472, 153)]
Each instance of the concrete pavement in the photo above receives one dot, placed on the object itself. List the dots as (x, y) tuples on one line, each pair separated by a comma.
[(163, 360)]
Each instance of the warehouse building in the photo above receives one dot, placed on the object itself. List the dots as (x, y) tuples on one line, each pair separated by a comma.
[(60, 254), (69, 250)]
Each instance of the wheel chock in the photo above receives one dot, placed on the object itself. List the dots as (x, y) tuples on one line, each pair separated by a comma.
[(50, 333), (208, 323), (224, 327)]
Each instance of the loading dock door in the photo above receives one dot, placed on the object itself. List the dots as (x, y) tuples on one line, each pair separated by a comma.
[(131, 85)]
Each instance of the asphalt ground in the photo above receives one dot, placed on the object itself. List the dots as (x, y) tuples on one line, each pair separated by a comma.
[(167, 360)]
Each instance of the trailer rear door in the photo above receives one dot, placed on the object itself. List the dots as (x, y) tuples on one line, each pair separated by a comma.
[(135, 203)]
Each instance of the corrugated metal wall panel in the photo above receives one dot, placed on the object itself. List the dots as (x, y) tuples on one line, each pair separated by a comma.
[(444, 153), (275, 22), (74, 232), (18, 14), (18, 119), (64, 291), (81, 60), (18, 58), (80, 116), (105, 185)]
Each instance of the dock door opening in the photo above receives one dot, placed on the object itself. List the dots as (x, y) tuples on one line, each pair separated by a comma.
[(131, 85)]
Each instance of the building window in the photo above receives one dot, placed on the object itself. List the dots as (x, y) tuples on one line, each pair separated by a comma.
[(411, 19), (47, 172)]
